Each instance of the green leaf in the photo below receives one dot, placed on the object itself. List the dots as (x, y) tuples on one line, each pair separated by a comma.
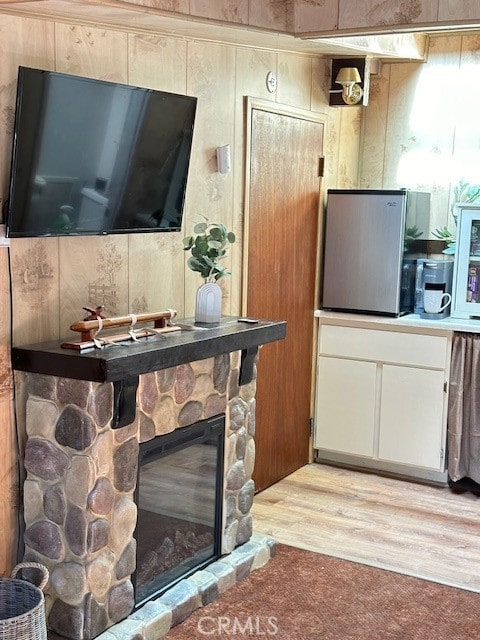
[(443, 233), (196, 253), (200, 227), (209, 261), (199, 267), (201, 244), (450, 250), (194, 264), (216, 233), (231, 237), (220, 271)]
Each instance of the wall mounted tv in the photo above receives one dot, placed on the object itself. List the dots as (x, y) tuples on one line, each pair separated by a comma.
[(92, 157)]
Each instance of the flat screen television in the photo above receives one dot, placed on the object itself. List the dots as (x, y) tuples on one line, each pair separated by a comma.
[(92, 157)]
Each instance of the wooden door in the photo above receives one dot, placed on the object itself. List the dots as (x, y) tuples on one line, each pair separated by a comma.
[(281, 283)]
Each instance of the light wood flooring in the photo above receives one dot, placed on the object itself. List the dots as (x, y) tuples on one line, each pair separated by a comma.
[(415, 529)]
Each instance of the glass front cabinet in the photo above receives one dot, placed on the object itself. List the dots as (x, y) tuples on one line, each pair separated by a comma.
[(466, 271)]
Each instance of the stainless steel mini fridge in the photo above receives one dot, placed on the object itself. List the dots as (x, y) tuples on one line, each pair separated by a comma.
[(369, 259)]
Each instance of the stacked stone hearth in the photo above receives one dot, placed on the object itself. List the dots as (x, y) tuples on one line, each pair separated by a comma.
[(79, 507)]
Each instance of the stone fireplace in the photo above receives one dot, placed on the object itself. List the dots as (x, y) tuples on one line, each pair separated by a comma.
[(86, 418)]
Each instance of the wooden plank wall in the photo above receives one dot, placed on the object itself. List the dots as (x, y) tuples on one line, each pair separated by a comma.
[(8, 447), (276, 15), (370, 16), (421, 125), (145, 272), (325, 16)]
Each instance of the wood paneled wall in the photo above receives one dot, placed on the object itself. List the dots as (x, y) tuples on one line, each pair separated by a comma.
[(268, 14), (8, 448), (370, 16), (322, 16), (143, 272), (421, 126)]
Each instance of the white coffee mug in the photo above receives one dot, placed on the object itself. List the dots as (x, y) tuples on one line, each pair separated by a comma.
[(433, 300)]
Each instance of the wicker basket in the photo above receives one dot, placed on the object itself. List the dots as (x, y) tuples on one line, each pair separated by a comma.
[(22, 606)]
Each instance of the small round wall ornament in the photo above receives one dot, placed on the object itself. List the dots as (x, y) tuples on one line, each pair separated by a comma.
[(271, 81)]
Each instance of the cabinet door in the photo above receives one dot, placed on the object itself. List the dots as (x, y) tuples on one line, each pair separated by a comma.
[(466, 272), (411, 416), (345, 406)]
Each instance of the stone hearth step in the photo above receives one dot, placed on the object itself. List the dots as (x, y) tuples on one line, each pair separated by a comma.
[(157, 617)]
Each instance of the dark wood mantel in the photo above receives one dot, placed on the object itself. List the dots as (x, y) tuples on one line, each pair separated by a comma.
[(115, 362)]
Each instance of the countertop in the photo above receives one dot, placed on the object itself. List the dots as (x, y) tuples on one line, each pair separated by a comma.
[(408, 323)]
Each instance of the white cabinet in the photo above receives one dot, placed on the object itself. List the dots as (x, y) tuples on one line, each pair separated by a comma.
[(381, 399), (411, 416), (346, 396)]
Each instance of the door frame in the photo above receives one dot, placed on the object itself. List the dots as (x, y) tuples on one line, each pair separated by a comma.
[(252, 103)]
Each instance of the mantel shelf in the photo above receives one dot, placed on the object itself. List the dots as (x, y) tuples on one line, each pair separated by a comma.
[(116, 362)]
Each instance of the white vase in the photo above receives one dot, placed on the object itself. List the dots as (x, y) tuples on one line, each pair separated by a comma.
[(208, 308)]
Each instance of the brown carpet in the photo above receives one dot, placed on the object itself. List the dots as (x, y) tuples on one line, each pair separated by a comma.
[(303, 595)]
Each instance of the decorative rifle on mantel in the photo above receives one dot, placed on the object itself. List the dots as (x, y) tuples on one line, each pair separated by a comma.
[(90, 328)]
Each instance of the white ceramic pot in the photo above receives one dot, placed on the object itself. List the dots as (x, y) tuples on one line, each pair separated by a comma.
[(208, 308)]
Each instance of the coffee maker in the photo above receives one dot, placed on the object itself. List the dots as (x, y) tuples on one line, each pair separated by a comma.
[(435, 275)]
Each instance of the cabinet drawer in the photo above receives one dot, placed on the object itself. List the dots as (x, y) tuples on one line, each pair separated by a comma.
[(384, 346)]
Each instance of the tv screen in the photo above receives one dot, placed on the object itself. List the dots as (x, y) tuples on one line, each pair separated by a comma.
[(92, 157)]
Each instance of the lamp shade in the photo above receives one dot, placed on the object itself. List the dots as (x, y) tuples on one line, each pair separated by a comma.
[(348, 75)]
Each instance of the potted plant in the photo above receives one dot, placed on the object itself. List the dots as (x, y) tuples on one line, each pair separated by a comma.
[(462, 192), (208, 247)]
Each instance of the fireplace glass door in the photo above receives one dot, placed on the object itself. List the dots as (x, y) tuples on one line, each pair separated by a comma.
[(179, 497)]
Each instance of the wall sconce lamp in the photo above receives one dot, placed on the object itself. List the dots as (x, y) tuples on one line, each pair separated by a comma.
[(349, 78)]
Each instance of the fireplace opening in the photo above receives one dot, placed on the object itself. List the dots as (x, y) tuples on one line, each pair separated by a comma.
[(179, 497)]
